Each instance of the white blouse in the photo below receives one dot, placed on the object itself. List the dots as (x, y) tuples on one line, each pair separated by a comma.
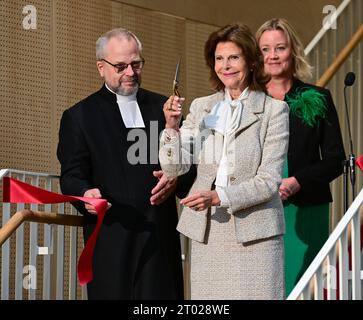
[(225, 118)]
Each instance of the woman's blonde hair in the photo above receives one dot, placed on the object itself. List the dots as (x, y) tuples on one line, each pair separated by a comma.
[(301, 67)]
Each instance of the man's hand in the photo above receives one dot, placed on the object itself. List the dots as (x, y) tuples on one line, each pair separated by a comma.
[(164, 188), (94, 193), (288, 187), (201, 200)]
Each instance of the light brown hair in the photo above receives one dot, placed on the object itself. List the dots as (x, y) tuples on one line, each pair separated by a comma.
[(242, 36)]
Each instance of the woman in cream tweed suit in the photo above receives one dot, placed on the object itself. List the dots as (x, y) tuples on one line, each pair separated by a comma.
[(238, 138)]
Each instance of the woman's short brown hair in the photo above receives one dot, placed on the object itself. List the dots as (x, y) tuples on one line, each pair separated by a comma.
[(242, 36)]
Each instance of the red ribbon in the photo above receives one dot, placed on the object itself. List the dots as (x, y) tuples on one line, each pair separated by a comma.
[(359, 162), (16, 191)]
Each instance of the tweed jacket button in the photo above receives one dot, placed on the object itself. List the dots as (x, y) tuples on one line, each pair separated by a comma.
[(232, 178), (169, 153)]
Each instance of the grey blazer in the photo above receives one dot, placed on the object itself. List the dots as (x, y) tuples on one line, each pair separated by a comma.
[(256, 159)]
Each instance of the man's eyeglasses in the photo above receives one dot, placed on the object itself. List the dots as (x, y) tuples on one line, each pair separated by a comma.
[(120, 67)]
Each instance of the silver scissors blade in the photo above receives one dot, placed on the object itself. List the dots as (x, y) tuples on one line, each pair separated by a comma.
[(176, 77), (176, 80)]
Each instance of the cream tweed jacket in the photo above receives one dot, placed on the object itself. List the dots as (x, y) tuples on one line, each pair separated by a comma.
[(255, 155)]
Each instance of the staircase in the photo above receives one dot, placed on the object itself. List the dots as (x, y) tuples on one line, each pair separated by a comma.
[(336, 272), (39, 261)]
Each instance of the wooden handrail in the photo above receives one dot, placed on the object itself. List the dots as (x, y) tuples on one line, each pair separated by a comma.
[(35, 216), (342, 56)]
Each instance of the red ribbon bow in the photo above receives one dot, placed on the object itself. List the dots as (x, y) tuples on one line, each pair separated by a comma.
[(15, 191)]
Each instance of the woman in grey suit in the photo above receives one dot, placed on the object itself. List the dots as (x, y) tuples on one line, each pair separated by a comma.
[(238, 138)]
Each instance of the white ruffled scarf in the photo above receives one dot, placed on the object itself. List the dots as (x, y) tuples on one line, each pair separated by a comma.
[(225, 118)]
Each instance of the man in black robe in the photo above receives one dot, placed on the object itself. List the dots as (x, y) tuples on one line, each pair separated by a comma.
[(108, 147)]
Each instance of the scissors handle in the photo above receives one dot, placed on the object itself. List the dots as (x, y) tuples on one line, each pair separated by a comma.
[(175, 89), (175, 92)]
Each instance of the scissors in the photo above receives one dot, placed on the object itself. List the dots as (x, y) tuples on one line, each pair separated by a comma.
[(176, 80)]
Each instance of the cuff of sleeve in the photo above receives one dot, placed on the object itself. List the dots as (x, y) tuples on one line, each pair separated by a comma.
[(83, 191), (301, 180), (223, 198), (170, 135), (169, 155)]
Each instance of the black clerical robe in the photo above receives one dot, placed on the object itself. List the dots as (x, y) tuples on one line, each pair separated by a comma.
[(137, 255)]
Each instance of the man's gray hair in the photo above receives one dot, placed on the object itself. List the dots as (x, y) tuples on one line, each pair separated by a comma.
[(114, 33)]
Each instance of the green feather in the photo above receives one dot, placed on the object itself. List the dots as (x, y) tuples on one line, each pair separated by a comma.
[(308, 105)]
